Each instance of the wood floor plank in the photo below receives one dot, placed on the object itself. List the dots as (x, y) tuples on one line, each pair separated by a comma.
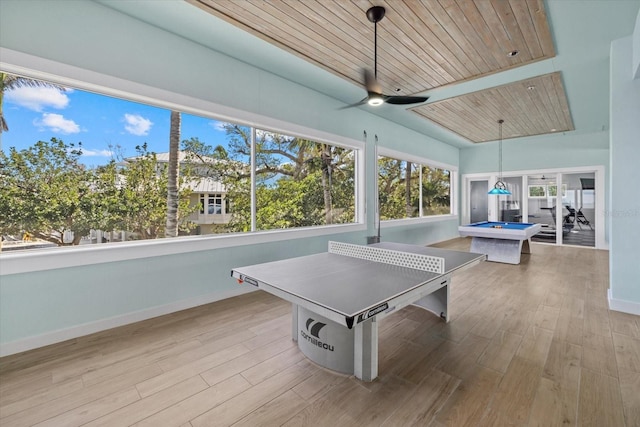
[(169, 378), (90, 411), (625, 324), (598, 354), (500, 351), (23, 399), (193, 406), (555, 405), (469, 401), (272, 366), (460, 360), (514, 396), (78, 398), (425, 402), (600, 401), (630, 390), (563, 362), (556, 400), (384, 397), (333, 410), (275, 412), (596, 321), (253, 398), (569, 328), (180, 359), (314, 387), (535, 345), (627, 352), (153, 404), (247, 360), (546, 317)]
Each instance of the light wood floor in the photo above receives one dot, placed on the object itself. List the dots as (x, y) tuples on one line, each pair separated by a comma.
[(528, 345)]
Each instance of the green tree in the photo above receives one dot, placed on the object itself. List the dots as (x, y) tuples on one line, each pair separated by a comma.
[(46, 192), (400, 189), (299, 182), (436, 191), (142, 196)]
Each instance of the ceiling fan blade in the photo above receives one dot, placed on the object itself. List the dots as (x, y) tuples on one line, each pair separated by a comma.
[(364, 101), (370, 82), (404, 100)]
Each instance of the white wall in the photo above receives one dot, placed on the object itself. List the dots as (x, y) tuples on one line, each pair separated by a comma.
[(624, 208)]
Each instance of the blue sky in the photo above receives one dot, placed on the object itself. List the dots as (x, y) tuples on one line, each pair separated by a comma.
[(98, 121)]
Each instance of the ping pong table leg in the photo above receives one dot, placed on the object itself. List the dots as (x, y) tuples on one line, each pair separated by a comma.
[(365, 354)]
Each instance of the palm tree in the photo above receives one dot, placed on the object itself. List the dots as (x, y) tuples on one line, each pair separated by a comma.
[(171, 229), (9, 82)]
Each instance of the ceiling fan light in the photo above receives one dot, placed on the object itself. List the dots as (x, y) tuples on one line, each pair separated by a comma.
[(374, 101)]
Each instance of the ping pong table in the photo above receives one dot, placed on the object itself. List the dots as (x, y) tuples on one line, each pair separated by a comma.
[(339, 296)]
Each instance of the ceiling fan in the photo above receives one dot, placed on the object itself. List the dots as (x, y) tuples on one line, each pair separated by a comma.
[(375, 96)]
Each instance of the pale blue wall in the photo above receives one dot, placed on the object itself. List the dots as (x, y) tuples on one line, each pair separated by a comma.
[(636, 49), (539, 152), (624, 211), (92, 37)]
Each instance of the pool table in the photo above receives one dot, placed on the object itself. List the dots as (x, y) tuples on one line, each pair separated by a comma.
[(501, 241)]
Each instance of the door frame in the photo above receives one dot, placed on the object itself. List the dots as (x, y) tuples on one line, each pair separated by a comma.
[(599, 225)]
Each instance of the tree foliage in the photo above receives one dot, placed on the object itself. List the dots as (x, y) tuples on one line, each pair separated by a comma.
[(400, 189), (46, 192), (299, 182)]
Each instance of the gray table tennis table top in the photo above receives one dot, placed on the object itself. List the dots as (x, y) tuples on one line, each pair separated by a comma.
[(348, 285)]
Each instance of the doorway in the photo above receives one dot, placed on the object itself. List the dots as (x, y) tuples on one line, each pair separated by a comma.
[(568, 202), (478, 201)]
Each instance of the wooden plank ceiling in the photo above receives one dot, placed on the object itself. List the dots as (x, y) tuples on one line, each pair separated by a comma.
[(422, 44), (528, 107)]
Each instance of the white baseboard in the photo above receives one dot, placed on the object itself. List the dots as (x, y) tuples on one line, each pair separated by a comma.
[(630, 307), (60, 335)]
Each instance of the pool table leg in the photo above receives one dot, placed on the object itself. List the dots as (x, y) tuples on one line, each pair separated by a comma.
[(498, 250)]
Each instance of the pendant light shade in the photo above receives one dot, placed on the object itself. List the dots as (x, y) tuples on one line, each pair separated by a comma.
[(500, 188)]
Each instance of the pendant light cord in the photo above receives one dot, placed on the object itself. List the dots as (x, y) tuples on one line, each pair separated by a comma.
[(500, 122)]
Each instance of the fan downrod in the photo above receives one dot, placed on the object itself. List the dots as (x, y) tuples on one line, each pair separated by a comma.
[(375, 14)]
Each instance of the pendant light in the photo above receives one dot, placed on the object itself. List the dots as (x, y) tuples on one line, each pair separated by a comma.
[(500, 187)]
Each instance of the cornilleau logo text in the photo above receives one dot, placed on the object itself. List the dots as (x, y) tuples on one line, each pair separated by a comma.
[(376, 310), (313, 336)]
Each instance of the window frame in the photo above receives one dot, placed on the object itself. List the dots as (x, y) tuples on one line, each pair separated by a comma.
[(423, 161), (91, 81)]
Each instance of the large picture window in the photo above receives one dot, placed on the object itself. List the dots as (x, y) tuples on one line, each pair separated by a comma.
[(81, 168), (412, 189)]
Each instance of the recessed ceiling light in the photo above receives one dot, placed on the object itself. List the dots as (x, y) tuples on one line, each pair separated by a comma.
[(512, 53), (531, 87), (553, 130)]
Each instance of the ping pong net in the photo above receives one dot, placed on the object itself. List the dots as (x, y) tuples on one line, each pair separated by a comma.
[(422, 262)]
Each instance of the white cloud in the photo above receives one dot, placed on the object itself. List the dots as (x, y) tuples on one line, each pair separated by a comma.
[(219, 126), (96, 153), (57, 123), (37, 98), (137, 125)]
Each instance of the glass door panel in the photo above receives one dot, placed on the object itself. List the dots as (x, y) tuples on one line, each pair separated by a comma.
[(541, 202), (578, 209), (510, 207)]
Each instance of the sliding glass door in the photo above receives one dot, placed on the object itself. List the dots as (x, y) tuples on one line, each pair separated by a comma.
[(569, 203)]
